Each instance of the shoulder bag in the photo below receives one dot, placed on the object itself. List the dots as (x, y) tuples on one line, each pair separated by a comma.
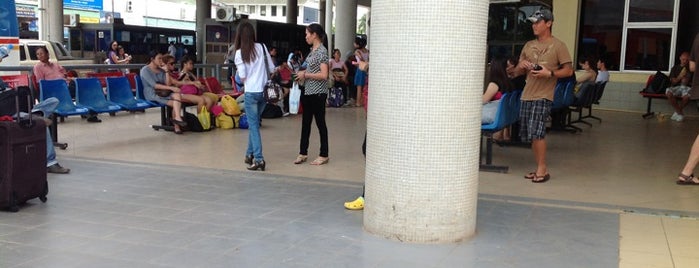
[(272, 91)]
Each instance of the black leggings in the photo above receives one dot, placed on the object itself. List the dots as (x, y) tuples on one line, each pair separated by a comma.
[(314, 106)]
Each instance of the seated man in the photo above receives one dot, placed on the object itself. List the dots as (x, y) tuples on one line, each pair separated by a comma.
[(46, 70), (45, 109), (680, 79)]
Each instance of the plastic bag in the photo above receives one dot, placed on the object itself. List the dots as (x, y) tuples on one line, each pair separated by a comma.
[(224, 121), (204, 118), (294, 99), (230, 106)]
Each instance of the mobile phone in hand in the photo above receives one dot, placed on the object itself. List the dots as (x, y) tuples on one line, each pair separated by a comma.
[(537, 67)]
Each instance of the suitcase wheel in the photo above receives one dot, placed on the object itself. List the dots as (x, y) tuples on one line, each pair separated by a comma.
[(42, 197), (13, 206)]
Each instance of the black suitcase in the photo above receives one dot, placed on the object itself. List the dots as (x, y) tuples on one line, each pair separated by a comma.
[(22, 161)]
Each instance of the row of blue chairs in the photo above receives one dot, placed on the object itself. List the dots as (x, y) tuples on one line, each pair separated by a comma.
[(90, 98)]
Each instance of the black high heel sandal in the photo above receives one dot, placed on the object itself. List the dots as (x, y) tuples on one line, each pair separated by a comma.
[(248, 159), (257, 165), (178, 122)]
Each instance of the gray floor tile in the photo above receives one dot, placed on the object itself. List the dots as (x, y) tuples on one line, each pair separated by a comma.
[(271, 221)]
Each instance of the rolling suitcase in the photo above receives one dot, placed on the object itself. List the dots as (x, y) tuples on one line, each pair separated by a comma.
[(22, 160)]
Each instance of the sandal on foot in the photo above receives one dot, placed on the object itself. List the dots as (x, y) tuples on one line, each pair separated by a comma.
[(686, 180), (300, 159), (320, 161), (540, 179), (357, 204), (530, 175)]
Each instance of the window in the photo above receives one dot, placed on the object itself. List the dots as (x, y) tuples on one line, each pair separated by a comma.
[(263, 10), (508, 29), (251, 9), (241, 8), (283, 11), (644, 39), (274, 11)]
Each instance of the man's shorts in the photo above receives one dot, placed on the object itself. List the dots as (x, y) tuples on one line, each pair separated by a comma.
[(532, 119), (678, 91)]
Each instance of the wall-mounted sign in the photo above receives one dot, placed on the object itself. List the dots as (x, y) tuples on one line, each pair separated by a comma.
[(83, 4)]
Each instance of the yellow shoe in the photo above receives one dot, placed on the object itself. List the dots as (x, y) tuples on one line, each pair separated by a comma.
[(357, 204)]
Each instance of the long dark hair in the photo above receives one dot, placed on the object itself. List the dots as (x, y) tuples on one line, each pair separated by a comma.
[(315, 28), (116, 50), (498, 75), (245, 41)]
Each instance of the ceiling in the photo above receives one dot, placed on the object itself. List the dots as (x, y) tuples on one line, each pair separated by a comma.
[(366, 3)]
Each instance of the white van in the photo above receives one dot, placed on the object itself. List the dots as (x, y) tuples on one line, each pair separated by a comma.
[(57, 53)]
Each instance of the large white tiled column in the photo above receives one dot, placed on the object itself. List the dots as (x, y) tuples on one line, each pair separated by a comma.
[(424, 117), (345, 25)]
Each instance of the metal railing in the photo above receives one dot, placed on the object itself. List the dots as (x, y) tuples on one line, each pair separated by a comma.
[(201, 70)]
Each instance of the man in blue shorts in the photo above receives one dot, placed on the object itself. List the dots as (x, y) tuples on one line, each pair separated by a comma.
[(544, 59)]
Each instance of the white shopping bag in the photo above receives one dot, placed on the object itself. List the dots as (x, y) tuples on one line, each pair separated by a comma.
[(294, 99)]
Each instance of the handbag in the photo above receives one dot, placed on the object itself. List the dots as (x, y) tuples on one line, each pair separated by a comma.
[(190, 89), (163, 92), (294, 99), (272, 91), (204, 118)]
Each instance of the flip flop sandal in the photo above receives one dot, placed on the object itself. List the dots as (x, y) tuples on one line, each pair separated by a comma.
[(541, 179), (686, 180), (530, 175)]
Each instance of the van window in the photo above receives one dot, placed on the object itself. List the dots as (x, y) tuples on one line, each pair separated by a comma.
[(61, 51), (32, 51)]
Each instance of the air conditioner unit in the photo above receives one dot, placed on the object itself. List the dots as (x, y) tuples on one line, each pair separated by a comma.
[(71, 20), (225, 13)]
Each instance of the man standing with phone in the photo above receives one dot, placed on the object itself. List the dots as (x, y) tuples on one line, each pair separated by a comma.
[(544, 59)]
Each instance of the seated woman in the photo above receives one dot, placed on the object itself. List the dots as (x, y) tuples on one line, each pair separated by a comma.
[(499, 84), (154, 78), (188, 81), (283, 77), (169, 65)]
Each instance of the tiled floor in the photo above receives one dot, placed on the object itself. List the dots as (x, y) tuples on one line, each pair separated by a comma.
[(140, 198)]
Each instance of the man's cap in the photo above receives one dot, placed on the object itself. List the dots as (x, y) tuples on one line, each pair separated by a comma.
[(542, 14)]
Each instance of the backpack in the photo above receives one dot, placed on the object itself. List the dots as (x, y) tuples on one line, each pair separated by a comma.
[(272, 111), (335, 97), (193, 123), (658, 84)]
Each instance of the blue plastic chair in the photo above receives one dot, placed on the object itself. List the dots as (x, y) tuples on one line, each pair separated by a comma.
[(88, 92), (119, 92), (59, 89), (563, 98), (507, 114)]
